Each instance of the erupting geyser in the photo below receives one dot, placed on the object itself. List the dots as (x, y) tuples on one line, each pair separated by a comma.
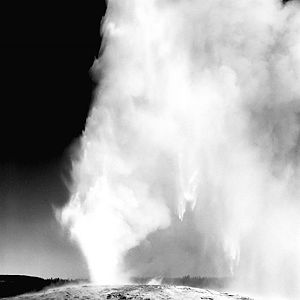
[(197, 115)]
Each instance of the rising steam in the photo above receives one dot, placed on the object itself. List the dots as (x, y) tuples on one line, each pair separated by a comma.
[(189, 162)]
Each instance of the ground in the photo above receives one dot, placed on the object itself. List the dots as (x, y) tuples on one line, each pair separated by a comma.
[(138, 292)]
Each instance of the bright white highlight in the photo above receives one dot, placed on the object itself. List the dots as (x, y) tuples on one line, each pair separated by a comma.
[(197, 108)]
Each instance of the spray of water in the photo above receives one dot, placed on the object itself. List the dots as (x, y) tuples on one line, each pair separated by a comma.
[(196, 116)]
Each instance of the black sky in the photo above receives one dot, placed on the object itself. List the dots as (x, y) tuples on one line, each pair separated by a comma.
[(46, 52)]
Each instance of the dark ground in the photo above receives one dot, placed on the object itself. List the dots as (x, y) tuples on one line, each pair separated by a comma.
[(13, 285)]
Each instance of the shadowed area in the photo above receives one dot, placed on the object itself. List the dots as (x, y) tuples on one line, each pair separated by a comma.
[(12, 285)]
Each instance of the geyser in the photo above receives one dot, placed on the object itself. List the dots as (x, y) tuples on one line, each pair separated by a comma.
[(193, 141)]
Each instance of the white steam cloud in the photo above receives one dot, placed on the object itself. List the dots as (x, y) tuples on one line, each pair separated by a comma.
[(193, 141)]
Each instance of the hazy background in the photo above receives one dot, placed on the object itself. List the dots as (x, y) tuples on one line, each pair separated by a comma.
[(46, 52)]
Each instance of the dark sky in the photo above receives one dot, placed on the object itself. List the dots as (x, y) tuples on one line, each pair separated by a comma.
[(46, 52)]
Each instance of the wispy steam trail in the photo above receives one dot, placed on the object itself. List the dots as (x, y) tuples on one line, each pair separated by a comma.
[(196, 118)]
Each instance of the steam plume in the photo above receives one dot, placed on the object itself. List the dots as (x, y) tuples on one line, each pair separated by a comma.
[(193, 141)]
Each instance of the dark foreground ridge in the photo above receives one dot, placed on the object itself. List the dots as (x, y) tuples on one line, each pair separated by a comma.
[(13, 285)]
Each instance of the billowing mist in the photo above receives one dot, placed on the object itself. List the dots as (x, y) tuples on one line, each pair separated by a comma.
[(189, 162)]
